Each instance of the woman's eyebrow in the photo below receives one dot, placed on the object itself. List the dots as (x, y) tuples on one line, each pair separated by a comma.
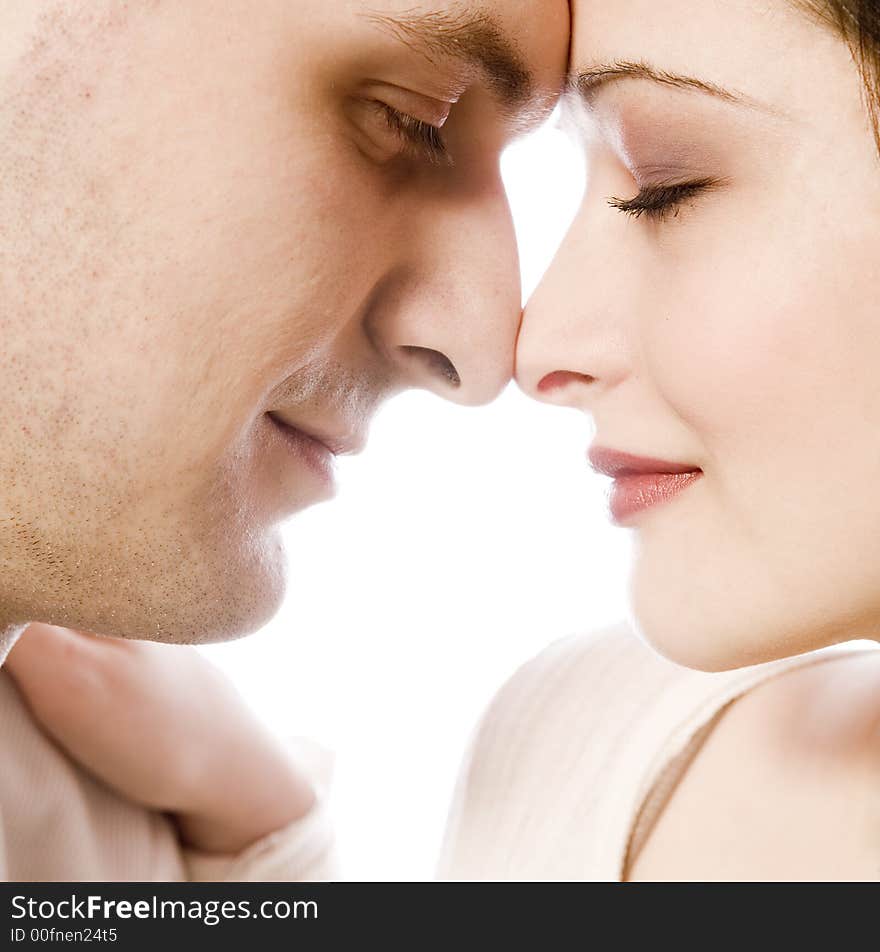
[(476, 39), (587, 82)]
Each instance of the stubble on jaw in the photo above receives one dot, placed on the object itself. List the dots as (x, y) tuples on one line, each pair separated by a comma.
[(80, 544)]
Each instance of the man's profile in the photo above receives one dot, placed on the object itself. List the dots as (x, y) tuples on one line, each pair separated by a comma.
[(228, 231)]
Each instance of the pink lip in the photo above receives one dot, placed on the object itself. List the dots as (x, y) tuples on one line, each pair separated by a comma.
[(339, 439), (640, 482), (319, 457)]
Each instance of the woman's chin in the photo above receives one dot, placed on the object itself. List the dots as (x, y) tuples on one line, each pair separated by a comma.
[(714, 639), (708, 638)]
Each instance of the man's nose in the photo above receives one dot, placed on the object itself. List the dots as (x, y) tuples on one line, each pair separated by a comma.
[(450, 323)]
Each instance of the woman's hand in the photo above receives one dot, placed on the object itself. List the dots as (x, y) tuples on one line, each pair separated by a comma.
[(163, 727)]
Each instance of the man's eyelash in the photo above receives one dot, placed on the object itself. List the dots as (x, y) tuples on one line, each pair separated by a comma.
[(658, 202), (418, 135)]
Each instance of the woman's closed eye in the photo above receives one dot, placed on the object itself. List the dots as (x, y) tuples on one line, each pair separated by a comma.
[(661, 200)]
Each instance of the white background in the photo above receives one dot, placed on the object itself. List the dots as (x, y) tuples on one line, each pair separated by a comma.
[(461, 542)]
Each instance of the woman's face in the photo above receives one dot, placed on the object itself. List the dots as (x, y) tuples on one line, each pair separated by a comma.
[(716, 305)]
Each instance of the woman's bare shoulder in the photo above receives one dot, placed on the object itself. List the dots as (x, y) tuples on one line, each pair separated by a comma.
[(785, 787)]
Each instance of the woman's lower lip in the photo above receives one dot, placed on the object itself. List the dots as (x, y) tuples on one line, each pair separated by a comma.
[(310, 451), (636, 492)]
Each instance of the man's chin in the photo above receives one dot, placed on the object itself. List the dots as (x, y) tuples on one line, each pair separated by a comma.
[(224, 600)]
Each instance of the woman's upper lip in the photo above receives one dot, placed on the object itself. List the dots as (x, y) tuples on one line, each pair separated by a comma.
[(616, 463)]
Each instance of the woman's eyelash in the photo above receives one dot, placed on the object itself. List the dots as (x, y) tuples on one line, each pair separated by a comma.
[(418, 135), (660, 201)]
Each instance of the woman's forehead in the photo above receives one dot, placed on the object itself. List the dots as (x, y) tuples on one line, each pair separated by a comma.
[(762, 51)]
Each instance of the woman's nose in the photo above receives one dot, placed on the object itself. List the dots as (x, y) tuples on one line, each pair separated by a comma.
[(574, 339)]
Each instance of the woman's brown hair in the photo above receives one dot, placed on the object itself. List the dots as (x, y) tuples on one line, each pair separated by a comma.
[(858, 21)]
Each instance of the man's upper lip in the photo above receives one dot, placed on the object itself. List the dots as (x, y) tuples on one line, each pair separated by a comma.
[(338, 438), (616, 463)]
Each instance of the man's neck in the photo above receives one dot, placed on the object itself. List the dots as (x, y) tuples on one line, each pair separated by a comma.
[(8, 636)]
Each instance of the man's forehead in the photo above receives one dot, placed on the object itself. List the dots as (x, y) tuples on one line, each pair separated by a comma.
[(489, 37)]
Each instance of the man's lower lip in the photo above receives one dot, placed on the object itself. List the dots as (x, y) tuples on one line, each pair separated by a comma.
[(309, 450), (639, 491)]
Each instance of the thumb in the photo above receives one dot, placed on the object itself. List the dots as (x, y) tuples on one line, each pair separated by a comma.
[(42, 652)]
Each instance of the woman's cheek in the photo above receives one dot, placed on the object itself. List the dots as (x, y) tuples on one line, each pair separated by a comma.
[(737, 343)]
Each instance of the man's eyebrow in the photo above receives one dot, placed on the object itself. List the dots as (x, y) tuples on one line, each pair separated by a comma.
[(586, 82), (474, 38)]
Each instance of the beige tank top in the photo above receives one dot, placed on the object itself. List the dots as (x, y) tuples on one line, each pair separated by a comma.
[(578, 754)]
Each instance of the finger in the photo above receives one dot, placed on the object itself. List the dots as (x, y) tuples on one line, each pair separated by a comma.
[(47, 652), (61, 675)]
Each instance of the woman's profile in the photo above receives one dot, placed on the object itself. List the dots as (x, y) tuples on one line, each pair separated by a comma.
[(716, 309)]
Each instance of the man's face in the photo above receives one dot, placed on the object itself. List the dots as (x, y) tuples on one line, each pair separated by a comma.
[(227, 232)]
